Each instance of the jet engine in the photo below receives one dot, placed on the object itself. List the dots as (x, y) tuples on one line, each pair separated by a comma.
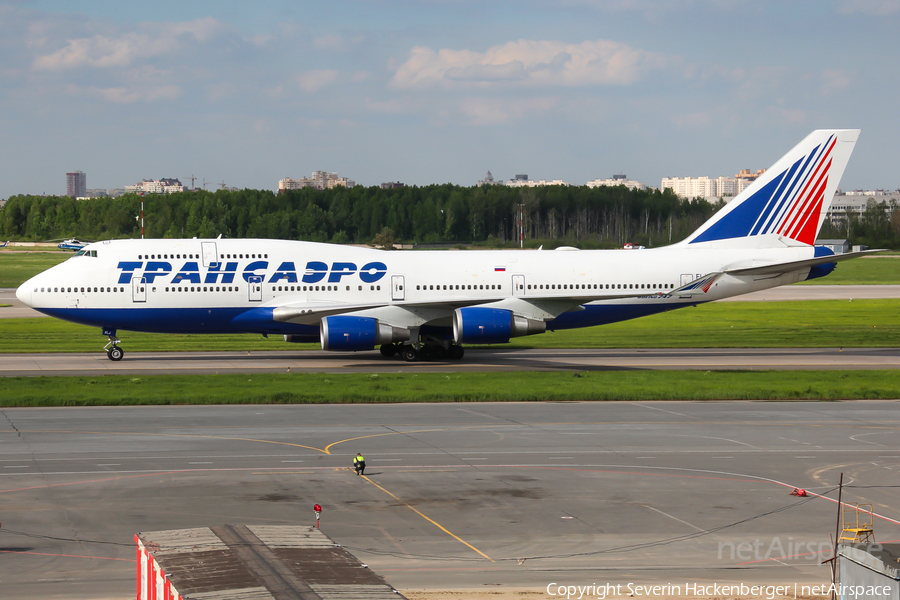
[(480, 325), (347, 333)]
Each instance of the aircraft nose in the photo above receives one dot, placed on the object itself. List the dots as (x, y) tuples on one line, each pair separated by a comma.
[(23, 293)]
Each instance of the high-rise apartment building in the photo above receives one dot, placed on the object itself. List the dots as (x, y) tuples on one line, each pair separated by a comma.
[(691, 187), (76, 184)]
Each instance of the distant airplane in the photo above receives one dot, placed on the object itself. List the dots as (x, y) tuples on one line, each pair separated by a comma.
[(425, 305), (6, 243)]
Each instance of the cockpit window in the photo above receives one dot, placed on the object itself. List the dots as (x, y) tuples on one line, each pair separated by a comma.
[(79, 253)]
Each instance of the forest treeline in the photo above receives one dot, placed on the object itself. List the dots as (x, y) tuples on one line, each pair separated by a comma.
[(554, 215)]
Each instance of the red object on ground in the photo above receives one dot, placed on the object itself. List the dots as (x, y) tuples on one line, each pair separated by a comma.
[(799, 492)]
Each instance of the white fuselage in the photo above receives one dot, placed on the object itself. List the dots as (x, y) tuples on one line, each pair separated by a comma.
[(202, 285)]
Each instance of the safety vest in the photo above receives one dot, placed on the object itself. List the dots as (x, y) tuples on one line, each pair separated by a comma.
[(358, 459)]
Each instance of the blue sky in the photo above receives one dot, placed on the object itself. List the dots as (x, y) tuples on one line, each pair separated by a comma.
[(439, 91)]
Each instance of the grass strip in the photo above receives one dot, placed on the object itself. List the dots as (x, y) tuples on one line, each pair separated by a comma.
[(814, 323), (868, 270), (320, 388), (17, 267)]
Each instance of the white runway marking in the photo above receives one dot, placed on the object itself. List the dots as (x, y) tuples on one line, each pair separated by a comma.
[(661, 410), (674, 518)]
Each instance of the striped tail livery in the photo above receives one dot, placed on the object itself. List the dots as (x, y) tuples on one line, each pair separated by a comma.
[(787, 204)]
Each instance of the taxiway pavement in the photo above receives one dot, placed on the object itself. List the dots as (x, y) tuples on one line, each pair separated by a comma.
[(476, 360), (456, 496)]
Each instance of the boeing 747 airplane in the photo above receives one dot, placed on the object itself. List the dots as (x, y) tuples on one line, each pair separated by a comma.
[(427, 304)]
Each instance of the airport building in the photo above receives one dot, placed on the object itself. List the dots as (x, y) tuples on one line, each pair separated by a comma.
[(854, 204), (319, 180), (252, 562), (870, 567)]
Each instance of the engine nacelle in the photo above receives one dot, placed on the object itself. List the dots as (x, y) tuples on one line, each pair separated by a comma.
[(349, 333), (480, 325)]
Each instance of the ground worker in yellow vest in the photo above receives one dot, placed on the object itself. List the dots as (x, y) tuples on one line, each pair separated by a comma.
[(359, 463)]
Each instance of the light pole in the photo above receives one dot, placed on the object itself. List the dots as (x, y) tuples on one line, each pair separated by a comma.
[(521, 226)]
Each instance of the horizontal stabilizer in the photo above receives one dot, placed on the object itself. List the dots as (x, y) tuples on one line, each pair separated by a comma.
[(796, 265)]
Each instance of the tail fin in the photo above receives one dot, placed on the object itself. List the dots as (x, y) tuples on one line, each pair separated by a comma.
[(787, 204)]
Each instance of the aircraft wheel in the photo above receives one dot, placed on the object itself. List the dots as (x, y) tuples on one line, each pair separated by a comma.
[(388, 350), (410, 354), (115, 353), (456, 352)]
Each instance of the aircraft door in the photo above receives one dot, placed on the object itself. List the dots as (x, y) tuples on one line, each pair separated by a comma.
[(138, 289), (518, 283), (255, 282), (397, 291), (209, 253)]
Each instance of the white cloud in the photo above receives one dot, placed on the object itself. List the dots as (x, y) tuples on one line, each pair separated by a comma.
[(101, 51), (312, 81), (529, 62)]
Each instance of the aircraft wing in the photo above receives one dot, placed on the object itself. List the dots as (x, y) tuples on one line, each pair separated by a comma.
[(411, 314)]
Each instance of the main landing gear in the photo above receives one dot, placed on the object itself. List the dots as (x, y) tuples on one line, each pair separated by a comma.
[(112, 348), (431, 350)]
